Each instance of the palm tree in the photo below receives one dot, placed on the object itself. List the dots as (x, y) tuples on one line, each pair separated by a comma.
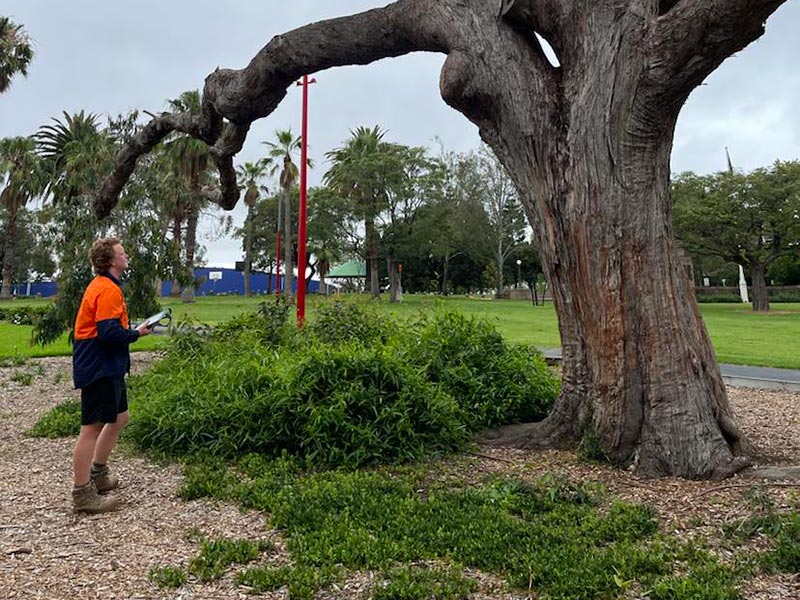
[(249, 176), (22, 177), (76, 152), (282, 148), (355, 173), (191, 160), (15, 52)]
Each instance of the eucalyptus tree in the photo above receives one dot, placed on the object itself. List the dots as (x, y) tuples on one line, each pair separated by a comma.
[(21, 179), (33, 257), (587, 142), (503, 208), (191, 160), (357, 173), (265, 233), (751, 219), (280, 158), (250, 174), (411, 179), (16, 52), (328, 220), (457, 225)]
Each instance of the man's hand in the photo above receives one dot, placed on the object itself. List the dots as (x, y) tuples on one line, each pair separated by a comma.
[(144, 330)]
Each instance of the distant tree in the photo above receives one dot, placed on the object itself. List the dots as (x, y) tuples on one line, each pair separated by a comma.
[(33, 256), (191, 160), (264, 232), (328, 218), (250, 174), (16, 52), (748, 218), (464, 227), (281, 161), (411, 180), (530, 267), (21, 179), (785, 271), (503, 207), (357, 172)]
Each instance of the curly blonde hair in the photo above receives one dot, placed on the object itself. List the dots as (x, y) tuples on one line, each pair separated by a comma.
[(102, 254)]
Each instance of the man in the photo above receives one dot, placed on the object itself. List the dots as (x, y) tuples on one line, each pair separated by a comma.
[(100, 361)]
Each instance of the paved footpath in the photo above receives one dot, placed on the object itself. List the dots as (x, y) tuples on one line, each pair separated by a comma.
[(766, 378)]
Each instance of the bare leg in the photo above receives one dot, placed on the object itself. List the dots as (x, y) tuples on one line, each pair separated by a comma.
[(108, 437), (84, 450)]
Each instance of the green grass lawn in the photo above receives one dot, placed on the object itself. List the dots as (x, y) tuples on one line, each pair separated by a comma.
[(740, 336)]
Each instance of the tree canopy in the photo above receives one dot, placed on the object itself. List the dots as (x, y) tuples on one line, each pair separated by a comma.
[(751, 219)]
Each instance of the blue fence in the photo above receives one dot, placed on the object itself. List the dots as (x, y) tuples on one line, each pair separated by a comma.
[(229, 281), (213, 282), (43, 289)]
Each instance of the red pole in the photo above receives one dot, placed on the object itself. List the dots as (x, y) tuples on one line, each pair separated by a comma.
[(301, 233)]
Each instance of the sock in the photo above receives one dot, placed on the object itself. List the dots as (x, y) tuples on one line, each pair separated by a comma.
[(97, 468)]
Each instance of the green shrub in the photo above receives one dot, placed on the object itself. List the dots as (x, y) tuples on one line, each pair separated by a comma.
[(268, 326), (340, 321), (62, 421), (167, 577), (22, 315), (494, 382), (334, 400)]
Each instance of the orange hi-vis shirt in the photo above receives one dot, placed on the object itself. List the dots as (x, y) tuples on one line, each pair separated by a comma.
[(102, 333)]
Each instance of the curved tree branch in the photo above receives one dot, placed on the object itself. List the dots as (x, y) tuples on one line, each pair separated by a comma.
[(242, 96), (692, 38)]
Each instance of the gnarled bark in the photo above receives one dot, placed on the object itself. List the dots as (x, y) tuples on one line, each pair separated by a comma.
[(587, 144)]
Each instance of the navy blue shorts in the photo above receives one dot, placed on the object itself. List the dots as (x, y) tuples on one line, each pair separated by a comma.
[(103, 400)]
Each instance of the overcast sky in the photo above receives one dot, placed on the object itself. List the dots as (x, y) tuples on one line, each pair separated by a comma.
[(108, 57)]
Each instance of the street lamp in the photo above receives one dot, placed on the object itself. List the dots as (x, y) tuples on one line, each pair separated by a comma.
[(519, 277)]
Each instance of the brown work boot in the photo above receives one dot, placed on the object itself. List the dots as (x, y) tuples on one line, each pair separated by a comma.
[(104, 479), (86, 499)]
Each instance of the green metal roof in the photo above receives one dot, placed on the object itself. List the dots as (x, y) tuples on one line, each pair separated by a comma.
[(352, 268)]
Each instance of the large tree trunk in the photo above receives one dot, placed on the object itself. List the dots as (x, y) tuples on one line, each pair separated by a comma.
[(639, 372), (587, 144), (760, 293), (9, 250)]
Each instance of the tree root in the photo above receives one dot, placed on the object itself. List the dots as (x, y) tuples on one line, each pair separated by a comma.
[(730, 468), (528, 436)]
